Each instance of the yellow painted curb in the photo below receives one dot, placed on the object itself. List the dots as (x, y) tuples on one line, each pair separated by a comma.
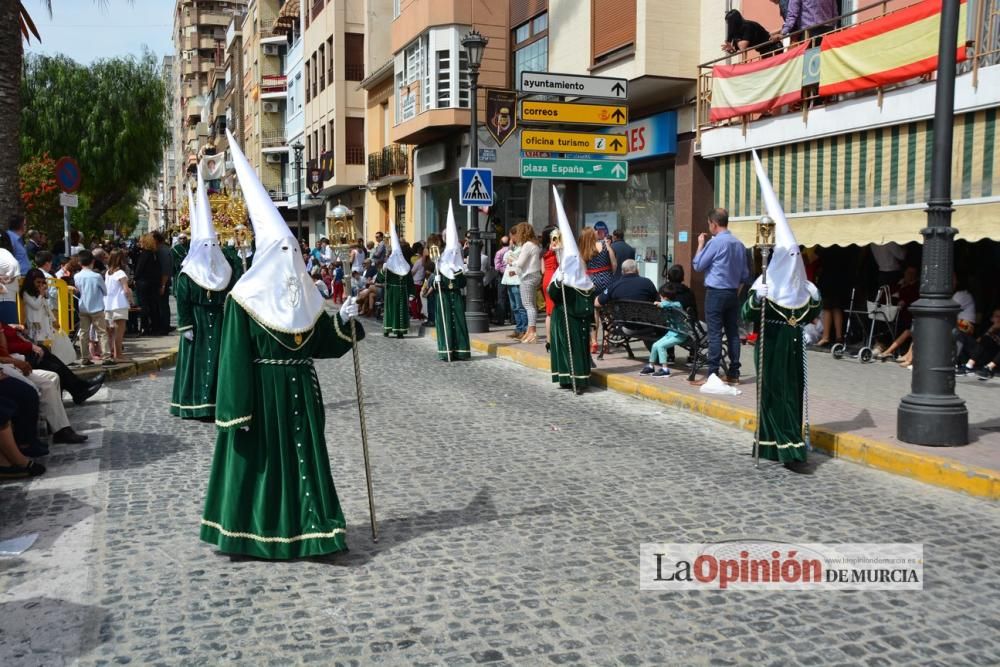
[(927, 468)]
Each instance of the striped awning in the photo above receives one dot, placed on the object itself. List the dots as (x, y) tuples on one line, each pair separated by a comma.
[(288, 16)]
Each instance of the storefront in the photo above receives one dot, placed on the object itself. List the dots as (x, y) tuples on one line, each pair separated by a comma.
[(643, 205)]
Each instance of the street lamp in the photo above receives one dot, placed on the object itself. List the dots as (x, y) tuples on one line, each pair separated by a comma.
[(475, 314), (931, 414), (298, 148)]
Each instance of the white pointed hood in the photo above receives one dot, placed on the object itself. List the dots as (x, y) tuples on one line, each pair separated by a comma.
[(205, 264), (396, 262), (192, 210), (450, 261), (571, 271), (276, 290), (786, 274)]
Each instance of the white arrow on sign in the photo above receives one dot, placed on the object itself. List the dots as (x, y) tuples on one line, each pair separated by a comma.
[(548, 83), (618, 170)]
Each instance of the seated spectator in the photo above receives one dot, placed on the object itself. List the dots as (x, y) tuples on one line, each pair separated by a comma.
[(907, 291), (40, 358), (983, 356), (657, 366), (741, 34), (317, 277), (40, 322), (19, 429), (682, 293), (630, 287)]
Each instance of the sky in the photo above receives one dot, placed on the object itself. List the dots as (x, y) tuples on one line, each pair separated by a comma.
[(87, 30)]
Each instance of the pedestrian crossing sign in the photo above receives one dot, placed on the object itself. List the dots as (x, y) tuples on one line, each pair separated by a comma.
[(475, 186)]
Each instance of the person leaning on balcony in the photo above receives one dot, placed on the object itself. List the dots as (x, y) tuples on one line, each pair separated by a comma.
[(742, 34), (816, 15)]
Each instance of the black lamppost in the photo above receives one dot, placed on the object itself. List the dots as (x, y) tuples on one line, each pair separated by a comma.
[(298, 148), (475, 313), (931, 414)]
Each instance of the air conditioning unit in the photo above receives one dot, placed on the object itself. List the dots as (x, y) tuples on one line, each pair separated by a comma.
[(271, 107), (274, 158), (271, 50)]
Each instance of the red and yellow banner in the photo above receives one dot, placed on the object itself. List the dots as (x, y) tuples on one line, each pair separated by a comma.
[(896, 47), (759, 86)]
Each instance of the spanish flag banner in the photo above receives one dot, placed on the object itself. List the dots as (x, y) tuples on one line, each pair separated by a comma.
[(756, 87), (896, 47)]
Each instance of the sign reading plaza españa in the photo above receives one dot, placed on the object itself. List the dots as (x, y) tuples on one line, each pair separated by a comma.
[(563, 112), (579, 170), (573, 142), (549, 83)]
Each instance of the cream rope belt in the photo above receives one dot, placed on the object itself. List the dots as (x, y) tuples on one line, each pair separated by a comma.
[(284, 362)]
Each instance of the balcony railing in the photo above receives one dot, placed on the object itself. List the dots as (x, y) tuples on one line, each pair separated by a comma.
[(391, 161), (983, 50), (276, 190), (272, 138), (273, 83), (355, 154)]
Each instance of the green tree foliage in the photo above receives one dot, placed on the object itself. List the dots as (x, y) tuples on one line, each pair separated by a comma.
[(110, 116)]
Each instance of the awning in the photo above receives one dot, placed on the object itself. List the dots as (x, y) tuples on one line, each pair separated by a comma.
[(974, 221), (288, 16)]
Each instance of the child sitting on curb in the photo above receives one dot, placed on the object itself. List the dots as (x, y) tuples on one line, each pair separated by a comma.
[(661, 347)]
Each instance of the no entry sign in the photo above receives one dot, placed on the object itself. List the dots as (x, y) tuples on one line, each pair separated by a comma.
[(68, 174)]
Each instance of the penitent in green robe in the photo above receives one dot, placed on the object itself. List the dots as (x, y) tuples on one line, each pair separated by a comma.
[(396, 312), (200, 311), (783, 377), (449, 320), (270, 492), (580, 309)]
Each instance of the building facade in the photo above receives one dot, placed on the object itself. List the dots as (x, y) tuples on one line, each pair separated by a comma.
[(198, 81)]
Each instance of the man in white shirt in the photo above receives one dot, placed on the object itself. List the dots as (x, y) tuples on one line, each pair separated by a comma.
[(890, 258)]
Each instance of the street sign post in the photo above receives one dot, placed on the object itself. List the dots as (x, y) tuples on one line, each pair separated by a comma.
[(573, 142), (549, 83), (69, 200), (565, 112), (475, 186), (574, 170), (68, 176)]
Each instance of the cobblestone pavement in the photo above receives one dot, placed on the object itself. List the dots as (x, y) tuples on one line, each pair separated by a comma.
[(511, 515)]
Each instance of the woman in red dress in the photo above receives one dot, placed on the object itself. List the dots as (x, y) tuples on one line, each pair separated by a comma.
[(550, 262)]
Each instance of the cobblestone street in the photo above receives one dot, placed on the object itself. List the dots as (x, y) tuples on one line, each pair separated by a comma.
[(510, 516)]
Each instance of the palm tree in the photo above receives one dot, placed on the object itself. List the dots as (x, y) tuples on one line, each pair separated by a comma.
[(15, 19)]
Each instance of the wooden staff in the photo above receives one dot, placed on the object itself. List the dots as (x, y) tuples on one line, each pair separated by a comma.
[(364, 428)]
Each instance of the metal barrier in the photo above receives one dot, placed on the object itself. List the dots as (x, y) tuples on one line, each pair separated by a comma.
[(65, 306)]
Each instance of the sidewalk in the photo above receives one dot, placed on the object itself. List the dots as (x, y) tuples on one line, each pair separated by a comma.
[(852, 410), (148, 354)]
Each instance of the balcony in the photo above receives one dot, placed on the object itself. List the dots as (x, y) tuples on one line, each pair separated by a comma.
[(276, 189), (272, 139), (273, 85), (389, 165), (814, 112)]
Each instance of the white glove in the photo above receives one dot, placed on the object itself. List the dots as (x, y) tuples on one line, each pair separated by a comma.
[(761, 290), (189, 334), (349, 309)]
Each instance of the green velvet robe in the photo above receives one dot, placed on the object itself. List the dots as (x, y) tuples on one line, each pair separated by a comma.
[(396, 312), (232, 255), (783, 377), (270, 493), (200, 311), (580, 308), (449, 320), (178, 254)]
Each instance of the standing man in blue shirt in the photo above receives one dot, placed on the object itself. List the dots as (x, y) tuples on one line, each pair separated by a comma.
[(15, 230), (723, 260)]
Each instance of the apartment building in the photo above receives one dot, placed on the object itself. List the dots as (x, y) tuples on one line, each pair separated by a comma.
[(335, 38), (161, 210), (199, 36), (290, 23), (654, 44), (851, 159)]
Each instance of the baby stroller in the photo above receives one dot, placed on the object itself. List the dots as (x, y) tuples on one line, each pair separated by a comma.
[(876, 315)]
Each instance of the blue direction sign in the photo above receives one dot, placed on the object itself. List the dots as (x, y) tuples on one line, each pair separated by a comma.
[(68, 174), (475, 187)]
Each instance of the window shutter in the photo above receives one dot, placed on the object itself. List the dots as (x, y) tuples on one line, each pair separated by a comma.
[(522, 10), (612, 25), (354, 130), (354, 56)]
